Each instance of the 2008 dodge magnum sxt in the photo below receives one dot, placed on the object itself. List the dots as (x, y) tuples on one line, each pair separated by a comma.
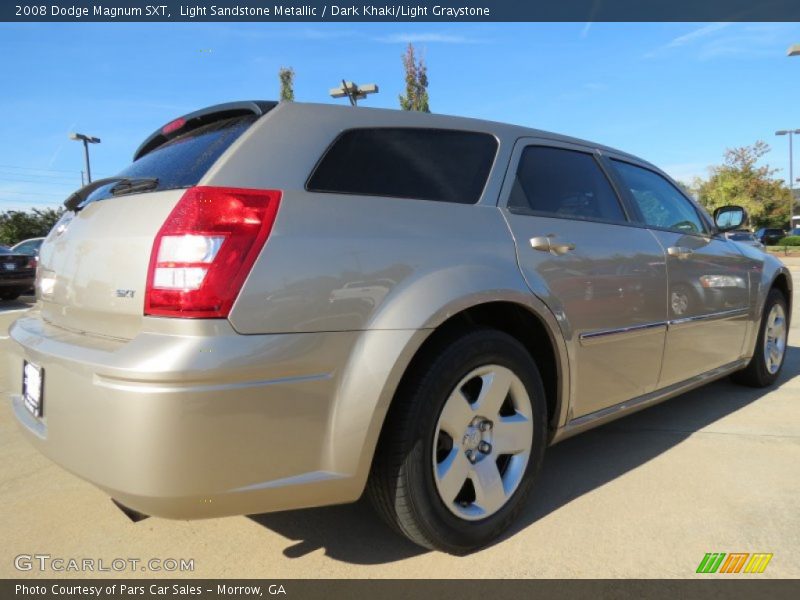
[(282, 305)]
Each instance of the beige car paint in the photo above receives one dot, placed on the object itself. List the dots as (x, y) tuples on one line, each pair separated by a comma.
[(281, 405)]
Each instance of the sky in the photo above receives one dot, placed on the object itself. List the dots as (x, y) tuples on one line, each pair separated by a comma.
[(677, 94)]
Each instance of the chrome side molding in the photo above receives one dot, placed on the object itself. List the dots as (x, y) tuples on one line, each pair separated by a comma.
[(725, 314), (608, 335)]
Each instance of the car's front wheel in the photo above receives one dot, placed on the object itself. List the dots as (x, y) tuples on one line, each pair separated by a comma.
[(462, 444), (767, 361)]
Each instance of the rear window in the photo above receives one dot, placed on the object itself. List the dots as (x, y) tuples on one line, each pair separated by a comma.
[(182, 161), (422, 164)]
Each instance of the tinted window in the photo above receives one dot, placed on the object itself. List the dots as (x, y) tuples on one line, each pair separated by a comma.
[(660, 203), (423, 164), (182, 161), (28, 247), (563, 183)]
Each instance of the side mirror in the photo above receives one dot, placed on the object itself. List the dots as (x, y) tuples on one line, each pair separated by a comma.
[(727, 218)]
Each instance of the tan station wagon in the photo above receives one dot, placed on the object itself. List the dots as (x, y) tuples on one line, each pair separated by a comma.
[(279, 306)]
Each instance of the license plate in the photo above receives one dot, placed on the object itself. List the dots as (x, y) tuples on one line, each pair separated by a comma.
[(33, 388), (9, 266)]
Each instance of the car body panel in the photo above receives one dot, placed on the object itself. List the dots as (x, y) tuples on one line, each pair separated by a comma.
[(709, 330), (93, 264), (608, 293)]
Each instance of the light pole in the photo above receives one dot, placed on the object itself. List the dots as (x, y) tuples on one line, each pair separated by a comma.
[(790, 133), (794, 50), (353, 91), (86, 139)]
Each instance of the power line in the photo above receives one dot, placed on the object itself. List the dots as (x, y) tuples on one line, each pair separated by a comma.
[(73, 182), (35, 169), (44, 177), (25, 193)]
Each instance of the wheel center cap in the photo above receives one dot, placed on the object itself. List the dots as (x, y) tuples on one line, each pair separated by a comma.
[(472, 438)]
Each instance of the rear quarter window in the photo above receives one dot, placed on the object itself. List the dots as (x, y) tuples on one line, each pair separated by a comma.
[(182, 161), (422, 164)]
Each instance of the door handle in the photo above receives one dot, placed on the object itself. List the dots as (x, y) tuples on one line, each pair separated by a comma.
[(679, 251), (545, 244)]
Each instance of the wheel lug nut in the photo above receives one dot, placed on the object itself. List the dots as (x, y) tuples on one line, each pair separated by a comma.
[(471, 456), (486, 425), (485, 447)]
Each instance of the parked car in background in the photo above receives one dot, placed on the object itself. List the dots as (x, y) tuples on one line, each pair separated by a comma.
[(17, 273), (795, 231), (30, 246), (282, 305), (745, 237), (770, 236)]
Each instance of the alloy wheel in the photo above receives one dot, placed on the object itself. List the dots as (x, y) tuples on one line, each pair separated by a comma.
[(482, 442), (775, 339)]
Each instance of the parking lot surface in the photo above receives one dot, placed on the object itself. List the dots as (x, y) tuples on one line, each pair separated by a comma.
[(715, 470)]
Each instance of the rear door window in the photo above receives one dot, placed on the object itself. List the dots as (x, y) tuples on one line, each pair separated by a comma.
[(182, 161), (556, 182), (422, 164)]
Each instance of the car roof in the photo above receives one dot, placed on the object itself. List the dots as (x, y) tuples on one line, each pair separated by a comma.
[(396, 117)]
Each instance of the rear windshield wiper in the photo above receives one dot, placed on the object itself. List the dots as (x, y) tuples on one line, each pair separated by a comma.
[(126, 185), (131, 186)]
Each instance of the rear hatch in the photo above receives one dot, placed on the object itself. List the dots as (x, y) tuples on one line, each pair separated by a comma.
[(94, 263)]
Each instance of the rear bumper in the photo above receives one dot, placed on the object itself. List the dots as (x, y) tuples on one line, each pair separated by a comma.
[(192, 426), (16, 281)]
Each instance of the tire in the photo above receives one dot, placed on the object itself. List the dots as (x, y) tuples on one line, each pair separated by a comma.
[(9, 295), (761, 371), (410, 479)]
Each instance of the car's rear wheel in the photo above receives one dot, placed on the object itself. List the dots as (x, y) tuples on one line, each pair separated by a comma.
[(767, 361), (462, 444)]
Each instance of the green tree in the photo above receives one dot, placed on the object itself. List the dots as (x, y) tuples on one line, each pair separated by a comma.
[(739, 180), (690, 189), (286, 77), (416, 96), (17, 225)]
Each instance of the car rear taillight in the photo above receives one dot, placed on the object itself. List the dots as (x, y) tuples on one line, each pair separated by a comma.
[(205, 250), (33, 262)]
